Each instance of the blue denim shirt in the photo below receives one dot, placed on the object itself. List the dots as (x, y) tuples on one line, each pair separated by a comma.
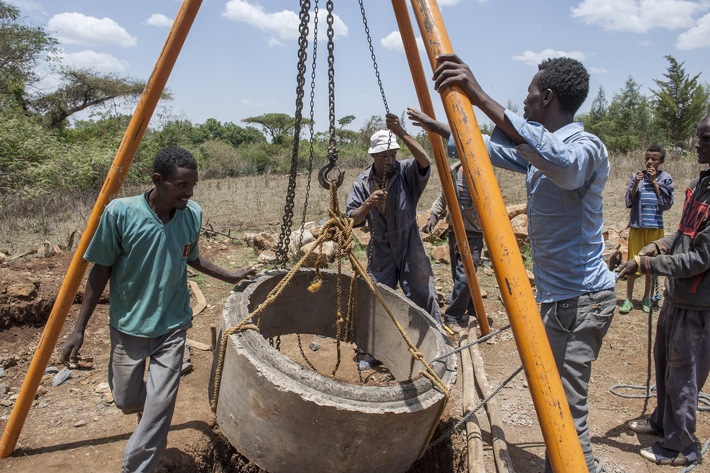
[(566, 172)]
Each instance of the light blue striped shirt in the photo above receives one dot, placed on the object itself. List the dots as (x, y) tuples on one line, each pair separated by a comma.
[(648, 200)]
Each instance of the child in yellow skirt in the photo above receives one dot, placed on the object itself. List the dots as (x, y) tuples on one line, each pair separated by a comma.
[(648, 195)]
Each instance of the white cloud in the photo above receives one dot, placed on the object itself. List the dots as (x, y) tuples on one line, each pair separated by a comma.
[(598, 70), (393, 42), (159, 20), (638, 16), (100, 62), (76, 28), (696, 37), (532, 58), (282, 25)]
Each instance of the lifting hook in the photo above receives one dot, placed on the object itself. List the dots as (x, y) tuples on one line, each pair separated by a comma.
[(332, 164)]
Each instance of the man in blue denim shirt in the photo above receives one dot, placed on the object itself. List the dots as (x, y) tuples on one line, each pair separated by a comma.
[(566, 169)]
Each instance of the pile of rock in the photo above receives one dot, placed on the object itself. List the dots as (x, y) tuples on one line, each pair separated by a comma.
[(440, 253), (302, 241)]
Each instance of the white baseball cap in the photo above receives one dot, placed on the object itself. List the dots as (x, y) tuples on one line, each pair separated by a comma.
[(382, 140)]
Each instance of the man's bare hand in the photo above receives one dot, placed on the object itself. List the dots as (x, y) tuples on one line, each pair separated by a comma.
[(242, 273), (452, 71), (376, 199), (649, 250), (629, 268), (70, 350), (393, 124)]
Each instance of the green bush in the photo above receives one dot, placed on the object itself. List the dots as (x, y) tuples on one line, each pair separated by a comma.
[(218, 159)]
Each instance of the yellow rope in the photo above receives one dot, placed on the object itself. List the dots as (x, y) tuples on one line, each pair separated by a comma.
[(338, 228)]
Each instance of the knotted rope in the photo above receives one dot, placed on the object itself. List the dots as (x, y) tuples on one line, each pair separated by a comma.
[(338, 229)]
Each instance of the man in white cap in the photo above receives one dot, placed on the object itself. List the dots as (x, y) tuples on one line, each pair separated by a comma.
[(385, 195)]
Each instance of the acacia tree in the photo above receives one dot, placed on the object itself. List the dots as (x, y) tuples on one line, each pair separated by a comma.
[(83, 89), (277, 126), (23, 49), (679, 103), (343, 135)]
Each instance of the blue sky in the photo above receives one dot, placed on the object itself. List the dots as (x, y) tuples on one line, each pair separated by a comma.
[(239, 59)]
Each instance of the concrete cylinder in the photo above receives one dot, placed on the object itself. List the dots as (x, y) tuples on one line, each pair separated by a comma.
[(287, 418)]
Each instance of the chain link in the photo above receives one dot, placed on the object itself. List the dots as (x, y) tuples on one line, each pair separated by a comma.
[(372, 55), (312, 121), (387, 110), (331, 76), (284, 237)]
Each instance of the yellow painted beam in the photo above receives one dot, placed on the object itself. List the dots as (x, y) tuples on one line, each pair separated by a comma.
[(442, 166)]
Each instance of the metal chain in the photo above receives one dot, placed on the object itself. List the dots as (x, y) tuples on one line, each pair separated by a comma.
[(387, 110), (470, 413), (312, 118), (284, 237), (323, 175), (372, 55), (331, 76)]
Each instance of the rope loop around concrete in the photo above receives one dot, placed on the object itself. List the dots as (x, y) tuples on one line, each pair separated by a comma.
[(338, 228)]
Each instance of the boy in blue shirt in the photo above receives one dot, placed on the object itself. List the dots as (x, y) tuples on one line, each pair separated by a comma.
[(648, 195), (143, 244)]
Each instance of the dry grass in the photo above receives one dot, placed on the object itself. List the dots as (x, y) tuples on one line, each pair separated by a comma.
[(256, 203)]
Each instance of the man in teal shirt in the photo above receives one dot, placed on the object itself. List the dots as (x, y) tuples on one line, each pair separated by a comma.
[(143, 244)]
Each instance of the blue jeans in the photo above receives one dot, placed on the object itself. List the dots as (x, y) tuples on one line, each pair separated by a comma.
[(575, 328), (459, 301), (155, 397)]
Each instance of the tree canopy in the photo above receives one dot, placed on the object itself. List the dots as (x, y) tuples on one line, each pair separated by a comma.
[(679, 103), (277, 126), (669, 116), (22, 48)]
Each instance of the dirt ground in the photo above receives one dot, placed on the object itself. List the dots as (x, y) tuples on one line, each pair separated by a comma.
[(75, 426)]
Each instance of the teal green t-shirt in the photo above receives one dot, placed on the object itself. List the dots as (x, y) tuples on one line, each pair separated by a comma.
[(148, 284)]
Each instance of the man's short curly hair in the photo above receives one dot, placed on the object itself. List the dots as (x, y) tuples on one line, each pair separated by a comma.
[(168, 159), (568, 79)]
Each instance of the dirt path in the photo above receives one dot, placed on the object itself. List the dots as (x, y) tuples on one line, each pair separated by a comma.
[(74, 426)]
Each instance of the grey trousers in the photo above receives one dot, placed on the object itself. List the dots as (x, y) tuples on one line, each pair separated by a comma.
[(155, 397), (459, 301), (575, 329), (682, 357)]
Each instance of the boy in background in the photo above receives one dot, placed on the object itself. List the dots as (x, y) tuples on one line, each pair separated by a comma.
[(648, 195)]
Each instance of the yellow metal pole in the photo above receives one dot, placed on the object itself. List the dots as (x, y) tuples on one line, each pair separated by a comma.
[(564, 449), (447, 184), (112, 184)]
